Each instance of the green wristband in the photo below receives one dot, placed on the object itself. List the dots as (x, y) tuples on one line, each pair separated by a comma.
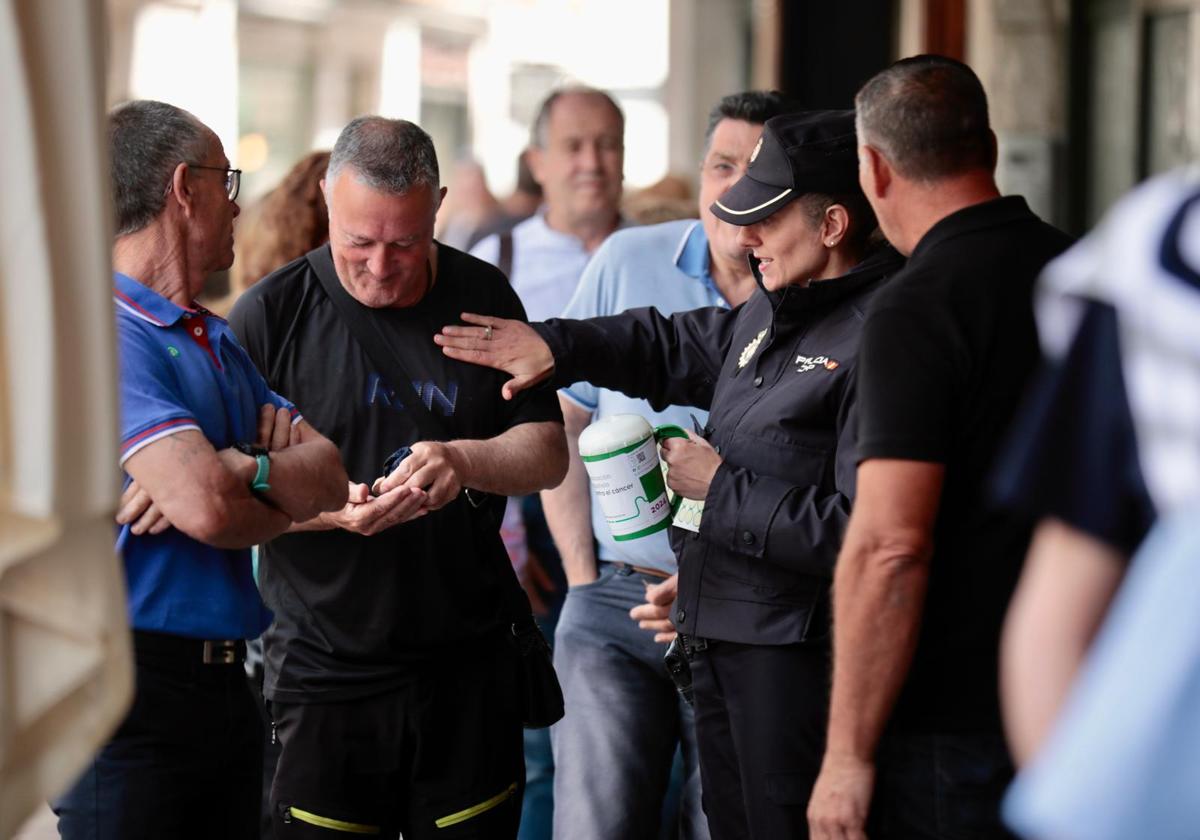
[(259, 484)]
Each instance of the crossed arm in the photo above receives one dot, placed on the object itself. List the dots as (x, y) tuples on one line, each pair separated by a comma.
[(182, 481)]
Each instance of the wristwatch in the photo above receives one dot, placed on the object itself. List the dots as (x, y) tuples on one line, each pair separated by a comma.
[(263, 457)]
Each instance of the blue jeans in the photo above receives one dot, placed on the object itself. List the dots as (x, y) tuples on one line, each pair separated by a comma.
[(613, 751), (939, 787), (538, 808), (185, 763)]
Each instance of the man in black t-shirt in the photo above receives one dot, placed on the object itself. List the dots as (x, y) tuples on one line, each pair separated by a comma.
[(392, 686), (927, 568)]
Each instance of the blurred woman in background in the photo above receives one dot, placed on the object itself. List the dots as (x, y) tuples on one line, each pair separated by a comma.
[(284, 224)]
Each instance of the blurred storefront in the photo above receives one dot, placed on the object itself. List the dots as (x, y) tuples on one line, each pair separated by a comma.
[(279, 77), (1088, 96)]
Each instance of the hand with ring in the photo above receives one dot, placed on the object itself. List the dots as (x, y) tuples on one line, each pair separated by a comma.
[(511, 346)]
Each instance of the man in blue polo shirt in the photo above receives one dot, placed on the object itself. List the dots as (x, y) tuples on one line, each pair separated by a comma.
[(215, 462), (617, 744)]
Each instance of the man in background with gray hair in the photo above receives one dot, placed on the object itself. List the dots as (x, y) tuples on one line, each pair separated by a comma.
[(392, 680), (577, 154)]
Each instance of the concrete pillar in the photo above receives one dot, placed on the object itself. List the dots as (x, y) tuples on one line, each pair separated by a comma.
[(765, 61), (121, 17), (332, 103), (400, 72), (910, 28), (708, 59), (1019, 50)]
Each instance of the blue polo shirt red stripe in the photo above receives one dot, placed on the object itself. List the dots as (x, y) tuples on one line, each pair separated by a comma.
[(181, 368)]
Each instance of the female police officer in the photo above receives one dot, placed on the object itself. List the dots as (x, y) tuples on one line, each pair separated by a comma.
[(775, 466)]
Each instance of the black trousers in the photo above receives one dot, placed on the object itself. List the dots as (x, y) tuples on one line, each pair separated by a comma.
[(439, 757), (945, 786), (186, 761), (761, 713)]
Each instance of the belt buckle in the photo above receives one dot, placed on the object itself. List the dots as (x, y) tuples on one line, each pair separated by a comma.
[(223, 652)]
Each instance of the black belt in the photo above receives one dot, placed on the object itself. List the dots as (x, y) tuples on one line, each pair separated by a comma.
[(204, 651), (629, 569)]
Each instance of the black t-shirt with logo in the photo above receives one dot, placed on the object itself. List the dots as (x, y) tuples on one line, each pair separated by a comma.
[(947, 351), (354, 615)]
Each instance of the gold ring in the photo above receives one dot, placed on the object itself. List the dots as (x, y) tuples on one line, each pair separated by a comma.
[(487, 333)]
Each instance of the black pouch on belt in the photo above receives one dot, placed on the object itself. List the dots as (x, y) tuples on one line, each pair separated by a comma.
[(541, 694)]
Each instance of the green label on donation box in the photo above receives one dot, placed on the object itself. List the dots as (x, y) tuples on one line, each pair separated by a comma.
[(621, 457)]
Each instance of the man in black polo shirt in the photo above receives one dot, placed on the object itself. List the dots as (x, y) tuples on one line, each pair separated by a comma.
[(927, 569), (391, 683)]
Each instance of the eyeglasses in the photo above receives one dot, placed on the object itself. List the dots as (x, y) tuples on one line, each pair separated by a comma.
[(233, 178)]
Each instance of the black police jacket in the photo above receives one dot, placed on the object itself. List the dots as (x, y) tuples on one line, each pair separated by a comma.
[(777, 376)]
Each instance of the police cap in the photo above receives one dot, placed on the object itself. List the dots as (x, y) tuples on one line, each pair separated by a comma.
[(806, 152)]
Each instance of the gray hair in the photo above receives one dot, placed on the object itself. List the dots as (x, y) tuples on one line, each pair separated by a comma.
[(928, 115), (390, 156), (146, 141), (539, 133)]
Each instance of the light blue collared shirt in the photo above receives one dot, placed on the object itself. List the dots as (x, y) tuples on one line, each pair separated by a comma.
[(665, 266), (546, 265)]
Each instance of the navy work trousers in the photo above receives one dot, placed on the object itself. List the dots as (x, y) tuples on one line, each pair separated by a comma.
[(760, 724)]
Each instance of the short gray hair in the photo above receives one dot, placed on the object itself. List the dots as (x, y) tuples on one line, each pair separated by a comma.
[(928, 115), (538, 134), (146, 141), (390, 156)]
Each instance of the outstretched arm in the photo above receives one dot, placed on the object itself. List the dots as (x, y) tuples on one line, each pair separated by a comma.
[(505, 344), (665, 360)]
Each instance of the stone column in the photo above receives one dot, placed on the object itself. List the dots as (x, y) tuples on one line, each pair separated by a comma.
[(1019, 50), (708, 59)]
